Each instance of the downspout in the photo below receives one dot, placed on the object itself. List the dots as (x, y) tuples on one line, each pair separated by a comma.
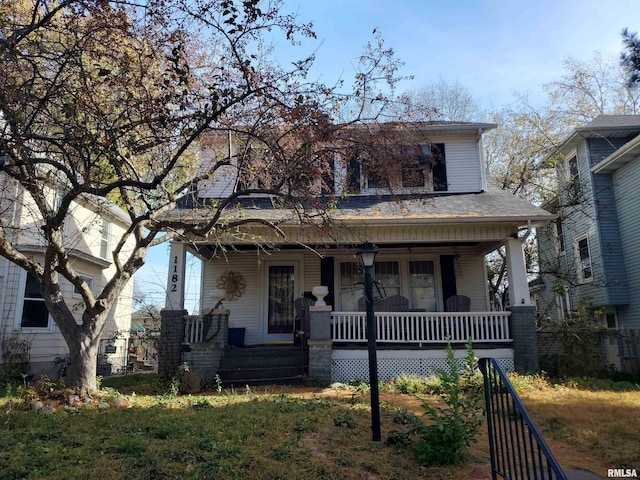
[(528, 232)]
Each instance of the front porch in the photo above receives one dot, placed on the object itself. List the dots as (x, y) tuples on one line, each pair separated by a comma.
[(423, 328), (410, 343), (417, 280)]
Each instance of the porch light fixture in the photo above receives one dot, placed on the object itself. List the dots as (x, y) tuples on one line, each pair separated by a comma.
[(367, 252)]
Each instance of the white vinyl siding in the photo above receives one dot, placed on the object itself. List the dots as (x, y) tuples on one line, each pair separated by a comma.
[(311, 271), (83, 232), (463, 165)]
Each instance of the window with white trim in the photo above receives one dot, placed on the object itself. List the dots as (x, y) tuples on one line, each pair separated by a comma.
[(585, 270), (563, 303), (31, 310), (573, 174), (415, 279), (413, 168), (105, 234), (351, 289), (88, 280)]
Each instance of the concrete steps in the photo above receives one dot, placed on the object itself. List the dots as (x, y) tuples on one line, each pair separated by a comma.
[(262, 365)]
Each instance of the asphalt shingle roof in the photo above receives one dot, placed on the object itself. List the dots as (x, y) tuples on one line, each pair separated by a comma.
[(493, 205)]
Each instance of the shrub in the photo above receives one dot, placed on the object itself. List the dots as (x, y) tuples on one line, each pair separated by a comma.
[(345, 419), (413, 384), (572, 348), (16, 355), (454, 428)]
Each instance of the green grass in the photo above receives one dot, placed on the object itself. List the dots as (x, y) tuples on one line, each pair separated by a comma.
[(257, 436), (303, 434)]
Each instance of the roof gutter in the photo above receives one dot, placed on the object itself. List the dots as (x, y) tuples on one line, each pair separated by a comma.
[(626, 149)]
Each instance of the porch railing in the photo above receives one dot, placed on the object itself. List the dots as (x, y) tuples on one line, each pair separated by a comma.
[(423, 327), (517, 448), (193, 328)]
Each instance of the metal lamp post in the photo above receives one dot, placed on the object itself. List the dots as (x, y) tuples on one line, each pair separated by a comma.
[(367, 252)]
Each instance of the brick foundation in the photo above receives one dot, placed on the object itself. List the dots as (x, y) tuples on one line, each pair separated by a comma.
[(522, 325), (171, 338)]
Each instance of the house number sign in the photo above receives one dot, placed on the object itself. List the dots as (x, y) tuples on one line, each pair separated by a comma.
[(175, 282), (175, 274)]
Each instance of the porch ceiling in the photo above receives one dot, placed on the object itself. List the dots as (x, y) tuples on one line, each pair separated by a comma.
[(210, 251)]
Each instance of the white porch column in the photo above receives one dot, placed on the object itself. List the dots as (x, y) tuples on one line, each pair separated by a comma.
[(517, 273), (176, 277)]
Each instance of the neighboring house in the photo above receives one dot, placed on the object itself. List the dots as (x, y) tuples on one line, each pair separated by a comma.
[(145, 332), (590, 256), (90, 235), (431, 236)]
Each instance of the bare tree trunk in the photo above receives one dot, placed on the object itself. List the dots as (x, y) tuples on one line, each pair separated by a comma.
[(83, 359)]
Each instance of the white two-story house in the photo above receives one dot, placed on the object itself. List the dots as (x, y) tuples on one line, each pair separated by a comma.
[(91, 232), (432, 230)]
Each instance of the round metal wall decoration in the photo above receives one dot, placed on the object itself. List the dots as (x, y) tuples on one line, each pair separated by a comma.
[(233, 283)]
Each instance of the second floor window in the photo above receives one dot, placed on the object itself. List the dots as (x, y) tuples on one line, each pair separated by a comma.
[(573, 176), (105, 233), (585, 270), (435, 153), (422, 167)]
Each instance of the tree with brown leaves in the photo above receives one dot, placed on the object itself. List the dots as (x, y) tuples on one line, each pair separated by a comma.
[(105, 102)]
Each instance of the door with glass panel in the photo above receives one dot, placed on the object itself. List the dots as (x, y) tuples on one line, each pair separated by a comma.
[(423, 294), (280, 295)]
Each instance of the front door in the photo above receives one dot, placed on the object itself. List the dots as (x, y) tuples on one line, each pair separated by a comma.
[(281, 293)]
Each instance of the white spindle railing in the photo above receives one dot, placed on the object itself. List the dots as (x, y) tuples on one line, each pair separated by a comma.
[(193, 329), (423, 327)]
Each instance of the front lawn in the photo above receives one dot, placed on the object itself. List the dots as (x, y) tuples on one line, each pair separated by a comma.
[(286, 433)]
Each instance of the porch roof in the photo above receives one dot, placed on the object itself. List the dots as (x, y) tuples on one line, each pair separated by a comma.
[(492, 206)]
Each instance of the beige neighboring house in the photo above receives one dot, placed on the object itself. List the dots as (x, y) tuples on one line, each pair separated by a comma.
[(91, 232), (145, 334)]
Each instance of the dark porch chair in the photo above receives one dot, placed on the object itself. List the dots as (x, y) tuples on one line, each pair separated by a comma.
[(392, 303), (458, 303)]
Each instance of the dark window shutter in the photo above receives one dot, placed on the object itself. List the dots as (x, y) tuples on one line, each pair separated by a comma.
[(439, 168), (328, 183), (448, 275), (326, 278), (354, 171)]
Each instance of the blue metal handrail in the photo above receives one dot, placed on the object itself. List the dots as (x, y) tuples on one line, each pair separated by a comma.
[(517, 448)]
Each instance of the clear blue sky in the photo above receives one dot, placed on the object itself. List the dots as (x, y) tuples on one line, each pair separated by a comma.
[(492, 47)]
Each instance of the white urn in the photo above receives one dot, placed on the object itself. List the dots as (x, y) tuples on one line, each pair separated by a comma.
[(320, 292), (218, 295)]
